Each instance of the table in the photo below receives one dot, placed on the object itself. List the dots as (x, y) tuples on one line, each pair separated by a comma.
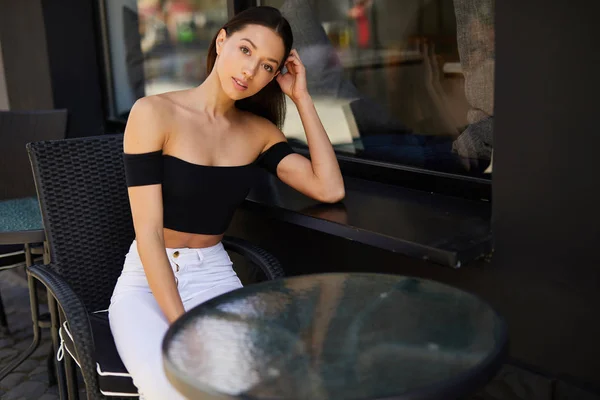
[(21, 223), (336, 336)]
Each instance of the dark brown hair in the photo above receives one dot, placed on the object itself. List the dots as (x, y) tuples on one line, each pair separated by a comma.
[(270, 101)]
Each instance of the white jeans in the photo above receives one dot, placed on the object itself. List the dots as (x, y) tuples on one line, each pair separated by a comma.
[(137, 323)]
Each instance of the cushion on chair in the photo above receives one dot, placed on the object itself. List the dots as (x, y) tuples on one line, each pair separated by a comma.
[(113, 378)]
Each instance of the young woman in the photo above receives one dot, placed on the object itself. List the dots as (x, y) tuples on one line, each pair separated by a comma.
[(190, 158)]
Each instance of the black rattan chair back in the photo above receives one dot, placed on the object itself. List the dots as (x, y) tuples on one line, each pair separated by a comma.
[(85, 209)]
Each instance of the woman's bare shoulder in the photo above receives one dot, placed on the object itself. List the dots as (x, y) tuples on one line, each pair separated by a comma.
[(158, 106), (148, 124), (248, 117)]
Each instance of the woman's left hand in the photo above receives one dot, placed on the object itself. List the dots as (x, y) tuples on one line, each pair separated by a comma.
[(293, 82)]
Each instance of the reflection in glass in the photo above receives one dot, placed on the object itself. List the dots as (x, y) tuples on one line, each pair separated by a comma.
[(331, 212), (161, 44), (403, 81), (176, 37)]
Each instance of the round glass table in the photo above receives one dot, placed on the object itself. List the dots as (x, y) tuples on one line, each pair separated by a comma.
[(336, 336)]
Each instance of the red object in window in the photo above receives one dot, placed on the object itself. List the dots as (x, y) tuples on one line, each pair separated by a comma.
[(180, 7), (359, 13)]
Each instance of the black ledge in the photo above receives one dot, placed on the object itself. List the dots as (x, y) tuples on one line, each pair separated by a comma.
[(446, 230)]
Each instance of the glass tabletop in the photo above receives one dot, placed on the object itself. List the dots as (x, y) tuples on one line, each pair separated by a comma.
[(20, 221), (20, 215), (336, 336)]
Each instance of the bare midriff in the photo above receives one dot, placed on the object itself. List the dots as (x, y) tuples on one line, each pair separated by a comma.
[(177, 240)]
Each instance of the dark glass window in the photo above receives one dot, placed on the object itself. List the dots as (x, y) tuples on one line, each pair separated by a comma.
[(157, 46), (402, 81), (407, 82)]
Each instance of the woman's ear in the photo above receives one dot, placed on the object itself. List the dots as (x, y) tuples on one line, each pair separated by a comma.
[(220, 40)]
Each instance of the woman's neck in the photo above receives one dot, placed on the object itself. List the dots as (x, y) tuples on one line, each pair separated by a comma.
[(211, 98)]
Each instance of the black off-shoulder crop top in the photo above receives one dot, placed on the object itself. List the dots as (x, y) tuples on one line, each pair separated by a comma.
[(199, 198)]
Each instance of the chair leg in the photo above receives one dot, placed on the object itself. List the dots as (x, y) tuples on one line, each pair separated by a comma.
[(52, 365), (67, 369), (71, 373), (56, 373), (35, 312)]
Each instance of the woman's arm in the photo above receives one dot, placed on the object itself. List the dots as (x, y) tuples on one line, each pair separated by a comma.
[(319, 178), (145, 133)]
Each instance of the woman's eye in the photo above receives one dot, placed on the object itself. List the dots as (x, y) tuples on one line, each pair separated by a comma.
[(245, 50), (268, 68)]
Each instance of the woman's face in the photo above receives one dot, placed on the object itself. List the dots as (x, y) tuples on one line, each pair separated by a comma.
[(248, 60)]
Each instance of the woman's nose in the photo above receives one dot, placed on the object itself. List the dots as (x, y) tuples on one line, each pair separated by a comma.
[(249, 70)]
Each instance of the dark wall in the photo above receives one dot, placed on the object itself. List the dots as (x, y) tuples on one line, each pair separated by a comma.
[(24, 55), (72, 38), (546, 214)]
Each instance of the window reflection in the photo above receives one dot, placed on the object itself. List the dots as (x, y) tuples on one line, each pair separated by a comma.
[(159, 45), (403, 81), (175, 39)]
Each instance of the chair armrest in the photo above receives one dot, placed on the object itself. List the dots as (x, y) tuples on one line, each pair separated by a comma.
[(265, 260), (76, 315)]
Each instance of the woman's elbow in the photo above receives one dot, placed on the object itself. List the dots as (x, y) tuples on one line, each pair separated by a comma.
[(332, 195)]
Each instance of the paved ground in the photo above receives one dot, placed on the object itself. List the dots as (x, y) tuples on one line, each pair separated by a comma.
[(30, 380)]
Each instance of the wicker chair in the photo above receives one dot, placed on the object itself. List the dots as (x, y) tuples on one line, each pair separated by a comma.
[(83, 197)]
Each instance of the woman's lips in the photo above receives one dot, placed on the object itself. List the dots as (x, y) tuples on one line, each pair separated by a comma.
[(239, 85)]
